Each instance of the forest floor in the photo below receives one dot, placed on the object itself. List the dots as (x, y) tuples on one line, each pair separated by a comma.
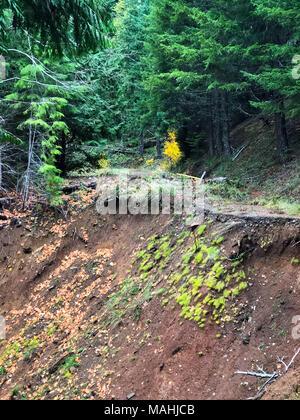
[(256, 178), (104, 307)]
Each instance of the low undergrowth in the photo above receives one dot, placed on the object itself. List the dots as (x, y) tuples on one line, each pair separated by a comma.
[(204, 283), (276, 202), (233, 191)]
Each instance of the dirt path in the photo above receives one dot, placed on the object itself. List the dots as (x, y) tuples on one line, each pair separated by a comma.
[(228, 210)]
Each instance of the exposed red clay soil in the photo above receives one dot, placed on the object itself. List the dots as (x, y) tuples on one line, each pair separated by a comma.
[(56, 279)]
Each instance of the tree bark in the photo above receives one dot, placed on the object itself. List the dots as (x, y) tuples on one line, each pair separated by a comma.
[(142, 145), (158, 148), (281, 136), (217, 124), (61, 164), (31, 140), (69, 189), (225, 124), (209, 127)]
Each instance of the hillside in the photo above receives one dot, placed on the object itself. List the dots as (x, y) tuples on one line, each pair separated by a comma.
[(255, 177), (131, 306)]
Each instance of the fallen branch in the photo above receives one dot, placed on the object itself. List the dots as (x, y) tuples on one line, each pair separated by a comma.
[(217, 180), (238, 154), (189, 176), (297, 243), (291, 362), (257, 396), (77, 236), (122, 151), (259, 375), (271, 377), (262, 390), (3, 381), (203, 176)]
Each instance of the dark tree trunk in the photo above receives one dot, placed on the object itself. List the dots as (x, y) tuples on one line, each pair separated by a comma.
[(158, 148), (182, 137), (142, 145), (225, 124), (281, 136), (61, 163), (210, 125), (217, 127)]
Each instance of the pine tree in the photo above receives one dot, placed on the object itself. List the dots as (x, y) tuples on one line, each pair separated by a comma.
[(38, 105), (130, 23), (62, 25), (278, 41), (188, 68)]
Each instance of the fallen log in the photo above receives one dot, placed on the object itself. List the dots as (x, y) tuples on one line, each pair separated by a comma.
[(121, 151), (217, 180), (69, 189), (193, 177), (239, 152)]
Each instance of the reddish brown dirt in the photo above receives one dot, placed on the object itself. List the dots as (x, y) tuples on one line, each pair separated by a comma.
[(158, 373), (59, 295)]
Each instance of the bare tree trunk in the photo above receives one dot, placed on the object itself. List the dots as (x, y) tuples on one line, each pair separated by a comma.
[(210, 124), (225, 125), (158, 147), (217, 128), (61, 164), (281, 136), (31, 139), (142, 145)]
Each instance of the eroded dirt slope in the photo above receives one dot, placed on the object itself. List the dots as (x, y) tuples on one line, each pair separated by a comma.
[(103, 307)]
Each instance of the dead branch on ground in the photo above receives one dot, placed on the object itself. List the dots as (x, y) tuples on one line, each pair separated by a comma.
[(270, 377)]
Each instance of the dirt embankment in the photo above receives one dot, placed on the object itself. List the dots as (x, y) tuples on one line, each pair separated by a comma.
[(103, 307)]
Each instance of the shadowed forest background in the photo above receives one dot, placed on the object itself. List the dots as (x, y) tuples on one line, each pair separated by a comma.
[(108, 80)]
